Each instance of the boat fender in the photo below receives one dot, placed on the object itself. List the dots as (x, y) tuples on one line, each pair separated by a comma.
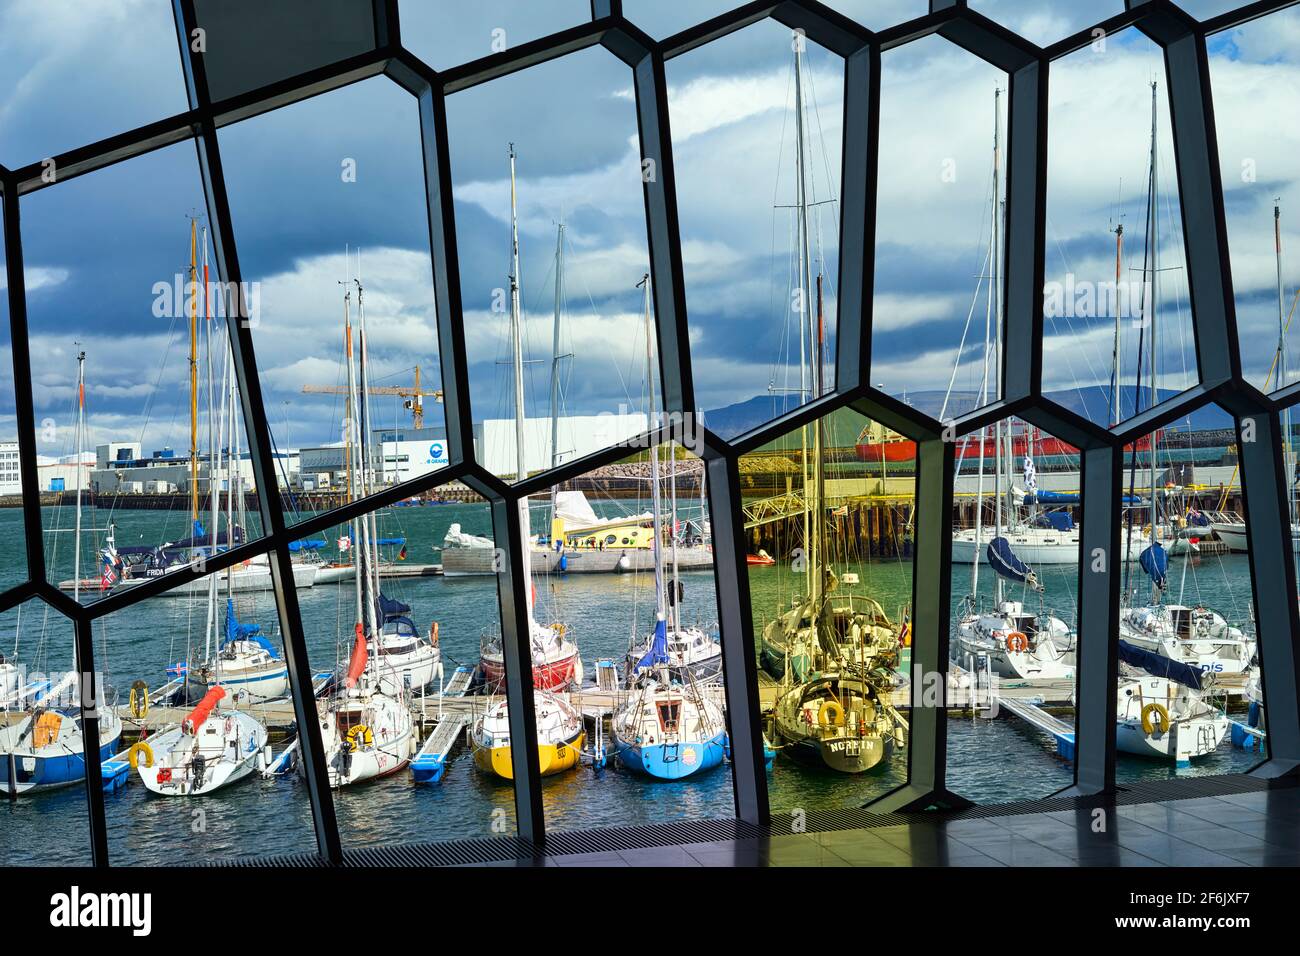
[(133, 755), (1148, 725), (362, 732), (139, 700), (433, 633), (1017, 643), (830, 712)]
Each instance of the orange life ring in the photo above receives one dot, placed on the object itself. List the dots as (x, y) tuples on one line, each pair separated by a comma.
[(1017, 642)]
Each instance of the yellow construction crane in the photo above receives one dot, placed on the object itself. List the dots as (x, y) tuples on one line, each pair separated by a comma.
[(414, 395)]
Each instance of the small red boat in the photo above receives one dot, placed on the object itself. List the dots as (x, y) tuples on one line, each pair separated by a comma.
[(762, 559)]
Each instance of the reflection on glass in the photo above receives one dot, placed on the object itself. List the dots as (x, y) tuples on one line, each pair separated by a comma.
[(830, 523)]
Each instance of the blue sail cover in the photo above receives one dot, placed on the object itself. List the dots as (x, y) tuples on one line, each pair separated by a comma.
[(658, 653), (1004, 561), (394, 542), (307, 545), (1060, 520), (244, 632), (390, 607), (1160, 666), (1041, 497), (1155, 562)]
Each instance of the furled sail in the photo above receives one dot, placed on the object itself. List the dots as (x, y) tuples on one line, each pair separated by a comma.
[(235, 631), (1155, 562), (1160, 666), (1004, 561), (658, 653)]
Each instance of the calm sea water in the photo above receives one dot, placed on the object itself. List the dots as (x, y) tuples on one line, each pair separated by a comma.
[(989, 761)]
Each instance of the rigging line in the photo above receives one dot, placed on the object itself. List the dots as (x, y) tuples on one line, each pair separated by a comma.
[(1087, 356)]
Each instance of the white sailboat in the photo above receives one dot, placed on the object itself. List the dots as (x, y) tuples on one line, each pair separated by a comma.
[(208, 750), (1158, 717), (365, 723)]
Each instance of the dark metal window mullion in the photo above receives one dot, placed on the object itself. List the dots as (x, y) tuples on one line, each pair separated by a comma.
[(238, 322)]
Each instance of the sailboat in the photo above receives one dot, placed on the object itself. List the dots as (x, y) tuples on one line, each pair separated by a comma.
[(556, 664), (1161, 712), (208, 750), (668, 728), (45, 750), (1197, 636), (404, 659), (680, 653), (1016, 641), (365, 723), (560, 736), (834, 650)]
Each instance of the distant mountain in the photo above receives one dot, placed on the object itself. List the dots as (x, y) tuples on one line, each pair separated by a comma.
[(1091, 402)]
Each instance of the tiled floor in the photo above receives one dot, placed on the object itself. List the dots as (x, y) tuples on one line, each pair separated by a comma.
[(1252, 829)]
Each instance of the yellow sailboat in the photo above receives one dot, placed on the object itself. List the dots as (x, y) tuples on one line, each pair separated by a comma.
[(560, 736)]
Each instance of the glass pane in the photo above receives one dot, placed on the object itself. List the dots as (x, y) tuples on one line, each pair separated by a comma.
[(1190, 600), (572, 186), (203, 694), (1116, 311), (83, 72), (756, 122), (44, 820), (935, 341), (626, 569), (445, 34), (135, 397), (343, 253), (1253, 71), (830, 513), (1014, 630), (1044, 23), (13, 570), (399, 741)]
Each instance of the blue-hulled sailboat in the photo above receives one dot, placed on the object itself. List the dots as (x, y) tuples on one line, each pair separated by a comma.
[(665, 730)]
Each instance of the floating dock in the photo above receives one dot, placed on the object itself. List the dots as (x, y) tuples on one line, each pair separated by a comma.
[(430, 763)]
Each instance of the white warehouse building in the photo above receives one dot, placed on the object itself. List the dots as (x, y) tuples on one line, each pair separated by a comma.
[(579, 435)]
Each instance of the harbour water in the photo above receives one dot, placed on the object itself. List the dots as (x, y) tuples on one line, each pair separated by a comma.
[(989, 760)]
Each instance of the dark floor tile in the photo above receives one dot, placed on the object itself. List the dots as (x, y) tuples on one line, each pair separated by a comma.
[(608, 858), (658, 856)]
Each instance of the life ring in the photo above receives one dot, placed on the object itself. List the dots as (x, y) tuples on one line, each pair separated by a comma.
[(1148, 725), (139, 700), (828, 707), (1017, 643), (363, 732), (133, 755)]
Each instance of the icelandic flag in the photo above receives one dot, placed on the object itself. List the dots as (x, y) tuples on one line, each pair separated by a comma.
[(108, 576)]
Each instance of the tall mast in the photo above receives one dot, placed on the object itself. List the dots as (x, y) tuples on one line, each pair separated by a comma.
[(81, 426), (1282, 376), (214, 494), (194, 374), (809, 371), (358, 556), (995, 307), (660, 610), (1153, 243), (367, 462), (1115, 349), (517, 342), (556, 356)]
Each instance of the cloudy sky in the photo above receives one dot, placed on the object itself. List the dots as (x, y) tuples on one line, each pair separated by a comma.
[(97, 246)]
